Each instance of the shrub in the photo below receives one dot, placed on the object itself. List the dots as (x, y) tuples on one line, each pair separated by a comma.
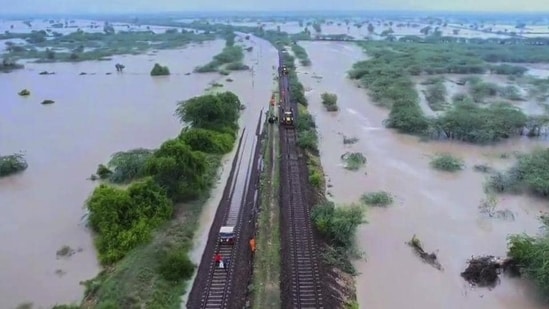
[(124, 219), (338, 225), (12, 164), (436, 96), (207, 140), (315, 178), (329, 100), (353, 161), (301, 54), (159, 70), (127, 165), (380, 198), (178, 169), (530, 172), (532, 256), (175, 265), (447, 162), (470, 123), (103, 171), (217, 112), (236, 66)]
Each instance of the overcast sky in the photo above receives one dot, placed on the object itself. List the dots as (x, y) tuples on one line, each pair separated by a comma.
[(130, 6)]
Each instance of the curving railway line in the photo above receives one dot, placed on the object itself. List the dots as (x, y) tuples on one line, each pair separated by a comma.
[(301, 285)]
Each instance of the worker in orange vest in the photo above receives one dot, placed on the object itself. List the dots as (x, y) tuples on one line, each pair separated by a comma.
[(252, 245)]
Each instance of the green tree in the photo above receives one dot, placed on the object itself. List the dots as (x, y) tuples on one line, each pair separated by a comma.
[(214, 112), (208, 141), (178, 169), (124, 219)]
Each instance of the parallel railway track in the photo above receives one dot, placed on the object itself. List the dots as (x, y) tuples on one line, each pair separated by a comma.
[(301, 271)]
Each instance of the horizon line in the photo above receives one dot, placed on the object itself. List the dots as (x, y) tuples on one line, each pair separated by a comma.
[(276, 11)]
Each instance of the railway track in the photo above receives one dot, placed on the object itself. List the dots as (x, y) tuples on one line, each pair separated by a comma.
[(301, 272), (217, 288)]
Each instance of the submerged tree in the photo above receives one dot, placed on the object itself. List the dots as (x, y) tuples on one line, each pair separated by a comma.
[(12, 164), (159, 70)]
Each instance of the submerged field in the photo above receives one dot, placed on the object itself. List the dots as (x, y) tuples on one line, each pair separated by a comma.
[(443, 209), (464, 94)]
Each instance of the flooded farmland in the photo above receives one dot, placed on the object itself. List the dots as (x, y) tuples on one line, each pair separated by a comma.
[(439, 208), (94, 115)]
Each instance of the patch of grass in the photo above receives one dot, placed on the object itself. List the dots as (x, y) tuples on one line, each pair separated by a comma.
[(353, 161), (447, 162), (378, 199)]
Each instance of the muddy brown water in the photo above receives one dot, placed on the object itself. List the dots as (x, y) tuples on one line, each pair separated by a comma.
[(254, 90), (440, 208), (93, 117)]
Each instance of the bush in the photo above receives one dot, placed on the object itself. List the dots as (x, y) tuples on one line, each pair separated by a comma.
[(237, 66), (176, 265), (446, 162), (470, 123), (178, 169), (301, 54), (387, 75), (530, 172), (159, 70), (380, 198), (532, 256), (126, 166), (315, 178), (436, 96), (12, 164), (353, 161), (103, 171), (207, 140), (329, 100), (338, 225), (217, 112), (124, 219), (231, 55)]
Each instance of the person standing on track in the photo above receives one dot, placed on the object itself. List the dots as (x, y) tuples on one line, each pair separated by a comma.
[(218, 258), (252, 245), (226, 262)]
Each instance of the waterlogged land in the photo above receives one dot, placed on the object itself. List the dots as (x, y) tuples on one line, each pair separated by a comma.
[(378, 28), (94, 115), (442, 209)]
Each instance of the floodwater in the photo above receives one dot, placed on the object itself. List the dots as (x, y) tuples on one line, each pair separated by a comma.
[(440, 208), (254, 90), (94, 116)]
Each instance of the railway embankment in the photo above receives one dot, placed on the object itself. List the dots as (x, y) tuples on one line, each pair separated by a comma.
[(335, 243)]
